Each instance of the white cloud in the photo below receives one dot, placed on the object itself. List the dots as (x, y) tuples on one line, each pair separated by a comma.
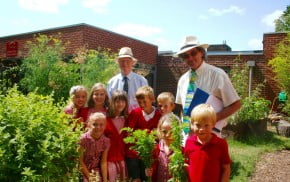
[(255, 44), (137, 30), (49, 6), (98, 6), (231, 9), (270, 18)]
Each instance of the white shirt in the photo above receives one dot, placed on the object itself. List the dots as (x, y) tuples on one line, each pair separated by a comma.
[(210, 79), (146, 116), (134, 82)]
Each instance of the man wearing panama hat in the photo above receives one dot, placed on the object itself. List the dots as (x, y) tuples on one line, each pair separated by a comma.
[(127, 80), (207, 78)]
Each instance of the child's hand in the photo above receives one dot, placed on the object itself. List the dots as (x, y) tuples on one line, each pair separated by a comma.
[(149, 171), (80, 120)]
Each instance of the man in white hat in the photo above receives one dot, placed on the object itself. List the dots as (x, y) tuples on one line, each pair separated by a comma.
[(127, 80), (210, 80)]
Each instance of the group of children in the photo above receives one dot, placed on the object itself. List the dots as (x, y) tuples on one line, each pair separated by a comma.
[(104, 152)]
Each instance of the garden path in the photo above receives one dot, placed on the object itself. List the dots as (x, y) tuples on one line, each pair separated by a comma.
[(273, 167)]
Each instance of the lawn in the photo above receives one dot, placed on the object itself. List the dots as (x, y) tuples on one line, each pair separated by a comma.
[(245, 153)]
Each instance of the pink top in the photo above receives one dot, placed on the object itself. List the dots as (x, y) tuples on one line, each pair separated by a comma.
[(119, 123), (93, 110), (93, 149), (163, 161)]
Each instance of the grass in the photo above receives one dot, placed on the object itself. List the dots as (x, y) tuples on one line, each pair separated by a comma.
[(246, 152)]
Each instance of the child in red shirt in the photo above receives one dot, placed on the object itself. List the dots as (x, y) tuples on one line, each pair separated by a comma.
[(76, 108), (98, 100), (159, 171), (208, 155), (117, 116), (146, 116), (165, 102)]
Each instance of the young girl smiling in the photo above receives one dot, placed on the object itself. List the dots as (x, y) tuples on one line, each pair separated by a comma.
[(94, 147)]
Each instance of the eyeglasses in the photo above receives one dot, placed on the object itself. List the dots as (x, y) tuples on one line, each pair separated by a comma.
[(186, 56)]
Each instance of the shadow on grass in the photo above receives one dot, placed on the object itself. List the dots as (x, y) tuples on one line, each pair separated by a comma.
[(267, 138), (236, 167)]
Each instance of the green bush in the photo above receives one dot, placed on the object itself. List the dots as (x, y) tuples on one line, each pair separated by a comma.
[(46, 69), (255, 107), (281, 67), (36, 142), (95, 66)]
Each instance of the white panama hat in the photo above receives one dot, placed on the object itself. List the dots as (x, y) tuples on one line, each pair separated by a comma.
[(191, 42), (126, 52)]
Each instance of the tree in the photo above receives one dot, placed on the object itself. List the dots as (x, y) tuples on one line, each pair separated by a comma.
[(46, 69), (282, 24), (281, 66)]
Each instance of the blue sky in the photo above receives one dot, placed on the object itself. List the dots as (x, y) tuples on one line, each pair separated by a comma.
[(165, 23)]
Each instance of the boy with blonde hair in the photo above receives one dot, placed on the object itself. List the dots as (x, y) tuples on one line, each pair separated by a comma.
[(165, 102), (208, 156), (146, 116)]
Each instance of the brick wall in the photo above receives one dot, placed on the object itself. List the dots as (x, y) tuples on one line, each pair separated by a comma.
[(169, 69), (270, 41), (144, 52), (82, 35)]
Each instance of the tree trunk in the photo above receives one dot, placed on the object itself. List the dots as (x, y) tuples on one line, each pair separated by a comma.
[(283, 128)]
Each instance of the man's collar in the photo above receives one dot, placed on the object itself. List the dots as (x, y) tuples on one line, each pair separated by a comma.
[(129, 76), (201, 68)]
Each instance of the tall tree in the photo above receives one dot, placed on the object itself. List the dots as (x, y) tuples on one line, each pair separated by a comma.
[(282, 24)]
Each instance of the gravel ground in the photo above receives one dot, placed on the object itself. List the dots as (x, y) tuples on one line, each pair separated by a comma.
[(273, 167)]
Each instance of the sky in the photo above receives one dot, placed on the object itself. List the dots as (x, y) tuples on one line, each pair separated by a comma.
[(164, 23)]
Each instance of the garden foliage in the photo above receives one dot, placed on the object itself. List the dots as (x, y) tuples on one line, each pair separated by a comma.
[(36, 142), (177, 160), (254, 107), (281, 67), (47, 69), (142, 142)]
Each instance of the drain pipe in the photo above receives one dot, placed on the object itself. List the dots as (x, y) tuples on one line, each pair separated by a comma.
[(251, 64)]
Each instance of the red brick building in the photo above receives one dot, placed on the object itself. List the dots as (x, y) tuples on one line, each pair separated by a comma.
[(161, 69), (169, 69)]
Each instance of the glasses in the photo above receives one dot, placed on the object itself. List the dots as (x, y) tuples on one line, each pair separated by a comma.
[(186, 56)]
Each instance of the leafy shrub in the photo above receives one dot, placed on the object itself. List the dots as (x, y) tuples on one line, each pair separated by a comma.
[(142, 142), (8, 76), (36, 142), (177, 159), (281, 66), (46, 69), (254, 107), (95, 66), (43, 62)]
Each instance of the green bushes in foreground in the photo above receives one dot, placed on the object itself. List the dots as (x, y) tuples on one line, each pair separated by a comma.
[(36, 142)]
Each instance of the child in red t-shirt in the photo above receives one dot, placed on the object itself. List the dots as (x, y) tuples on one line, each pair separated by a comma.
[(208, 156), (117, 116), (98, 99), (165, 102), (76, 108), (146, 116), (159, 171)]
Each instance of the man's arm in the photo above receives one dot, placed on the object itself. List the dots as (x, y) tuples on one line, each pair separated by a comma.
[(227, 111)]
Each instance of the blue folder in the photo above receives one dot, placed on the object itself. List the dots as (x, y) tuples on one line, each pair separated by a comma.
[(199, 97)]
